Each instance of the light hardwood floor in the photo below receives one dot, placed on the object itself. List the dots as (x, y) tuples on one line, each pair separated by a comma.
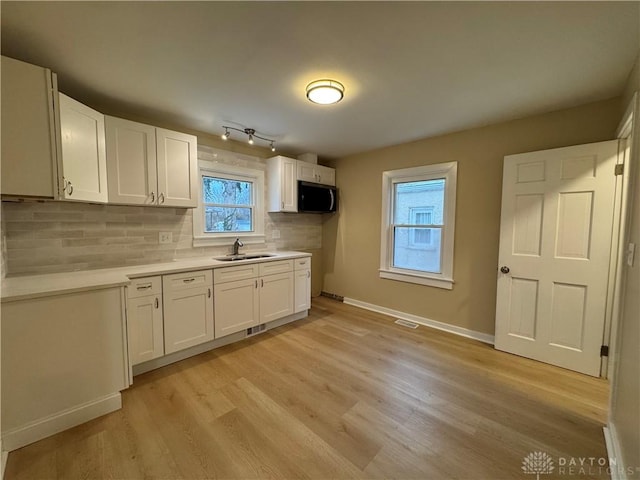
[(345, 393)]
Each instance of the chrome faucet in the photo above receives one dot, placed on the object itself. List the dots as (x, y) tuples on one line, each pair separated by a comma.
[(236, 245)]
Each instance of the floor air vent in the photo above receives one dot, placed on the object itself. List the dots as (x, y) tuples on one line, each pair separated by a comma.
[(406, 323), (256, 329)]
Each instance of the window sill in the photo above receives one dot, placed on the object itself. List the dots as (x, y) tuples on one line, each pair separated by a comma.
[(445, 283), (228, 239)]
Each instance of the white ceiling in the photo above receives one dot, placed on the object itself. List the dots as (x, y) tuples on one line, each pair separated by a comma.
[(411, 69)]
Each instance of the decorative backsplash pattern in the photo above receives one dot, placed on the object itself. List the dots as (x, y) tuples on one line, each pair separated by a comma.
[(47, 237)]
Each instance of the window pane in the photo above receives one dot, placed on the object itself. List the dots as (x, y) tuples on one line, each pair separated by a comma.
[(411, 199), (417, 248), (220, 219), (224, 191)]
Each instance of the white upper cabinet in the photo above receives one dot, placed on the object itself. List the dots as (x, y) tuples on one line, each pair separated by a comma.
[(282, 184), (310, 172), (150, 166), (177, 168), (29, 135), (82, 171)]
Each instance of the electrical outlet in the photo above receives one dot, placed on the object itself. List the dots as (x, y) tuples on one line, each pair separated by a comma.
[(275, 234), (165, 237)]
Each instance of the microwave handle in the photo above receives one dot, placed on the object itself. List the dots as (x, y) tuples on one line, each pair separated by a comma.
[(333, 200)]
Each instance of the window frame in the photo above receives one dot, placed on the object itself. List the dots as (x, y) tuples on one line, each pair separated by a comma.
[(447, 171), (230, 172)]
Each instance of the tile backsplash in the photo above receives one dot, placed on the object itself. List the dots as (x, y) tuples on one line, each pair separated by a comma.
[(47, 237)]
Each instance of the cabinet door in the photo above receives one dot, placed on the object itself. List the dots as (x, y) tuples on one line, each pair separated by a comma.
[(236, 306), (188, 310), (131, 162), (29, 149), (276, 296), (177, 168), (144, 324), (289, 185), (306, 172), (302, 291), (83, 169), (325, 175)]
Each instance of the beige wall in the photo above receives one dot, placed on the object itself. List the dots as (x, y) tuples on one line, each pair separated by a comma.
[(351, 238)]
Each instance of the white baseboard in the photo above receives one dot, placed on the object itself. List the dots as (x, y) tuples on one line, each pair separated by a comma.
[(618, 470), (427, 322), (45, 427)]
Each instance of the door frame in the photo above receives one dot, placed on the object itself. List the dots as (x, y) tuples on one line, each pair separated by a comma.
[(629, 135)]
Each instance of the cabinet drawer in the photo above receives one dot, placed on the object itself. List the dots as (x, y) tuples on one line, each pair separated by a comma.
[(181, 281), (280, 266), (239, 272), (141, 287), (302, 263)]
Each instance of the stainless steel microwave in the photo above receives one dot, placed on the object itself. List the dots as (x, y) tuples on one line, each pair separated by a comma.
[(317, 198)]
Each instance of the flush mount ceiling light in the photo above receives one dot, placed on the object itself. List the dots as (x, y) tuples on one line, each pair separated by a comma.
[(250, 133), (325, 92)]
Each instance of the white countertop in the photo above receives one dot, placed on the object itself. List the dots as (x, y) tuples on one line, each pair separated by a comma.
[(33, 286)]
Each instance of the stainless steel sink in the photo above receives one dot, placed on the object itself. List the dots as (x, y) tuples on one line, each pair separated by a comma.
[(248, 256)]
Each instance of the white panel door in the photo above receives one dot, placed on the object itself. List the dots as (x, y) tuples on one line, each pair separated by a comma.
[(83, 173), (144, 322), (177, 168), (188, 309), (302, 290), (555, 241), (276, 296), (131, 162), (237, 306)]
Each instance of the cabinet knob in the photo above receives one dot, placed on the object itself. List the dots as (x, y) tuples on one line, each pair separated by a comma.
[(69, 188), (153, 197), (161, 197)]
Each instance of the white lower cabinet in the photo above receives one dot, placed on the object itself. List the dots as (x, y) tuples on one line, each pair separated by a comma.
[(302, 286), (144, 319), (237, 306), (188, 309), (249, 295)]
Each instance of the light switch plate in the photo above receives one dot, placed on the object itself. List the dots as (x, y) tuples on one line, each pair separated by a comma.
[(165, 237)]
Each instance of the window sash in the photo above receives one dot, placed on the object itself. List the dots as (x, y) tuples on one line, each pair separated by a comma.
[(390, 179)]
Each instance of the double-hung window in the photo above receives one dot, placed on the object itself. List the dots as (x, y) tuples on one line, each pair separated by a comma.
[(230, 205), (418, 220)]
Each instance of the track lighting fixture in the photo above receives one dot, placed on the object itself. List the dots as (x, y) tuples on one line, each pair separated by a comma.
[(251, 134)]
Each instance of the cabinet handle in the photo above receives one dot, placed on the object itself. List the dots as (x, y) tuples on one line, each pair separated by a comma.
[(188, 280), (161, 197), (262, 282), (209, 292), (144, 287), (256, 283), (153, 197), (69, 188), (157, 303), (283, 205), (308, 273)]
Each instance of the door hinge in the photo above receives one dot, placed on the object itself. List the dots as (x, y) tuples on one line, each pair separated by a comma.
[(619, 170), (604, 351)]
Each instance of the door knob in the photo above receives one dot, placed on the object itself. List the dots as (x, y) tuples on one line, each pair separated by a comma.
[(504, 269)]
